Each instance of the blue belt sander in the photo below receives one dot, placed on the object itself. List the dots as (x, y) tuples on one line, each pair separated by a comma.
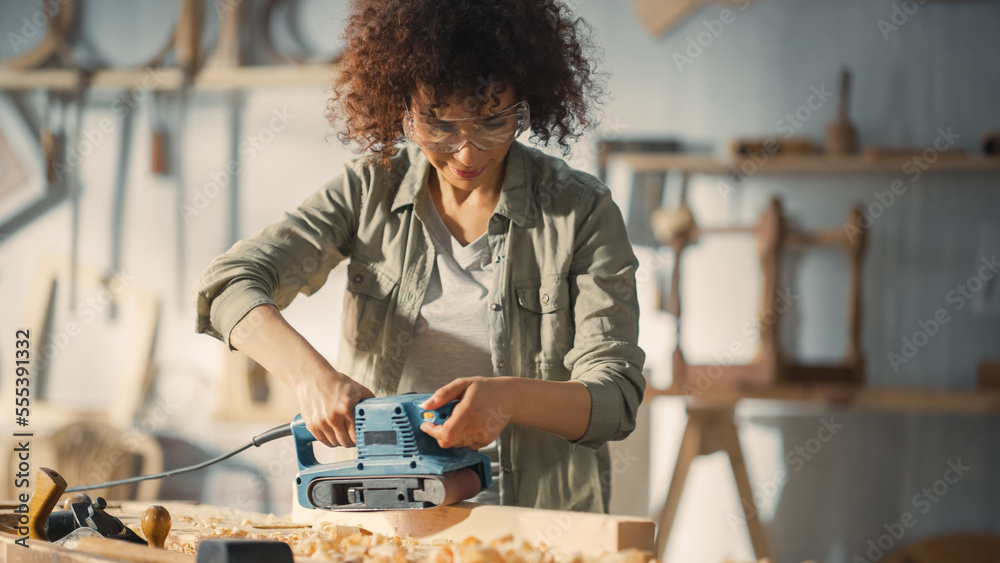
[(398, 467)]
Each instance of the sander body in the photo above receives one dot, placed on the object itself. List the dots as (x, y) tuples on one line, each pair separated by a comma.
[(398, 467)]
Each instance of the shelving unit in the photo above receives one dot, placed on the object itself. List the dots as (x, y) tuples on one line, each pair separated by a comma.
[(711, 426), (798, 164), (172, 78)]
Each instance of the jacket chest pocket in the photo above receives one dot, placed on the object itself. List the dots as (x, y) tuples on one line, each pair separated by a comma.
[(546, 320), (366, 303)]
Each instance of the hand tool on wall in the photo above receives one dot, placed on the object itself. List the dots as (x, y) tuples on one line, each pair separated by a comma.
[(118, 201), (54, 193), (53, 135), (187, 42), (72, 179), (11, 172), (236, 105), (841, 138), (180, 189), (160, 142)]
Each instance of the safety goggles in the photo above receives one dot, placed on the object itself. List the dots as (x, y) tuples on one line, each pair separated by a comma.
[(485, 132)]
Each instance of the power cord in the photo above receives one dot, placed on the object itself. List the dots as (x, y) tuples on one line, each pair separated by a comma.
[(258, 440)]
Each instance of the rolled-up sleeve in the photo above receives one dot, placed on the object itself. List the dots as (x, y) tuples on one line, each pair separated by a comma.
[(292, 256), (606, 356)]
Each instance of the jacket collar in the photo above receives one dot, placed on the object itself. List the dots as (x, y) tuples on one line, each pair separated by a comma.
[(515, 193)]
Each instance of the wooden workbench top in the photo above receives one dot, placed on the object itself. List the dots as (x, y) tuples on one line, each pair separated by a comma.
[(319, 535)]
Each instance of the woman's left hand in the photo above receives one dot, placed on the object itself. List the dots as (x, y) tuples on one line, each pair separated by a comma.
[(484, 409)]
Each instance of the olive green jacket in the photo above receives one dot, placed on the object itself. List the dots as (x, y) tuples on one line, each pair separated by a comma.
[(566, 277)]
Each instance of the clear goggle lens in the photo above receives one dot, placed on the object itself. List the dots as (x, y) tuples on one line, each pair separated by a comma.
[(486, 133)]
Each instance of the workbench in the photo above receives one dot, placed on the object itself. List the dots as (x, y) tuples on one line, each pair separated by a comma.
[(314, 534)]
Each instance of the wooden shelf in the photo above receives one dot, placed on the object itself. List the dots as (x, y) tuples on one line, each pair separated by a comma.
[(172, 78), (942, 400), (798, 164)]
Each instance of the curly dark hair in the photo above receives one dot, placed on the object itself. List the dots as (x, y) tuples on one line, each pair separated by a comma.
[(472, 48)]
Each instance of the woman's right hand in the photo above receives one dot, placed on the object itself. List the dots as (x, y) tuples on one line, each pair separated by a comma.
[(327, 399), (326, 396)]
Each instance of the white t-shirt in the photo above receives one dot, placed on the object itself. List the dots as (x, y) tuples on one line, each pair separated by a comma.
[(452, 338)]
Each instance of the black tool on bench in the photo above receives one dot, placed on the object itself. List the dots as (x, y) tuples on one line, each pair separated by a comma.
[(87, 514), (242, 550)]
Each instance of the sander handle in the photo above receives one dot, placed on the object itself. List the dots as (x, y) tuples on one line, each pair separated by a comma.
[(304, 438)]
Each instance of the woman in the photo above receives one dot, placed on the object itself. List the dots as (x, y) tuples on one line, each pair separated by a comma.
[(479, 269)]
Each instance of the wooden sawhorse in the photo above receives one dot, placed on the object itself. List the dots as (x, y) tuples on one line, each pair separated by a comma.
[(710, 428)]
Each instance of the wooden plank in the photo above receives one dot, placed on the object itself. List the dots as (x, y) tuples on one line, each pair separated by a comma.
[(586, 533), (266, 76), (125, 551), (170, 79), (39, 551), (943, 400)]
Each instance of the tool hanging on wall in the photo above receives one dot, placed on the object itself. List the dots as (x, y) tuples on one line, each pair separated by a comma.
[(177, 167), (167, 113), (237, 100), (53, 135), (52, 194), (12, 174), (60, 170), (187, 44), (118, 200), (74, 186), (160, 141)]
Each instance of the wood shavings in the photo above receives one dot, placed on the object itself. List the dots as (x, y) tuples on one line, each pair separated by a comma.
[(340, 543)]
